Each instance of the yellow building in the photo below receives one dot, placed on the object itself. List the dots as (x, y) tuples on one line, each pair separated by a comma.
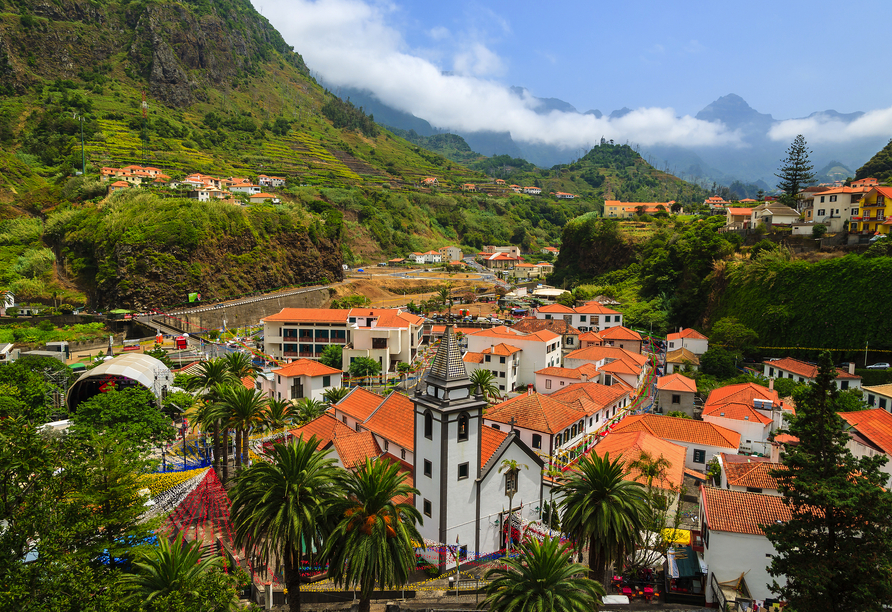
[(875, 213)]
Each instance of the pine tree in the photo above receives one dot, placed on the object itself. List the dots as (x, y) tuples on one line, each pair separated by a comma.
[(835, 552), (796, 170)]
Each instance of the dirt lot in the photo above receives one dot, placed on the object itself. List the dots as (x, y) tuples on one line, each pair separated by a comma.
[(389, 291)]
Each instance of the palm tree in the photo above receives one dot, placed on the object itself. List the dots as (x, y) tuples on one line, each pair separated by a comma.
[(211, 378), (484, 382), (306, 409), (242, 409), (511, 467), (403, 369), (241, 364), (373, 542), (333, 395), (603, 508), (277, 506), (650, 468), (167, 569), (542, 578), (553, 472), (278, 414)]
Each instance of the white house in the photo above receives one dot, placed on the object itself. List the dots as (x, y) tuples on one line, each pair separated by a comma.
[(870, 434), (304, 332), (773, 214), (878, 396), (679, 359), (270, 181), (745, 473), (703, 440), (734, 543), (676, 393), (463, 492), (503, 360), (304, 378), (260, 198), (622, 337), (385, 335), (532, 190), (549, 380), (247, 188), (539, 349), (432, 257), (753, 426), (803, 372), (591, 316), (614, 362), (689, 339)]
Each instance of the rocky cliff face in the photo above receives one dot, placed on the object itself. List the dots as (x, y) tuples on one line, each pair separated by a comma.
[(179, 48)]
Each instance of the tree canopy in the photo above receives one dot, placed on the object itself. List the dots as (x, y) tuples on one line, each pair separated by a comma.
[(796, 171)]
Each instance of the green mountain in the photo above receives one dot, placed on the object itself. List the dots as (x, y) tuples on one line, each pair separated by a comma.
[(879, 166), (210, 86)]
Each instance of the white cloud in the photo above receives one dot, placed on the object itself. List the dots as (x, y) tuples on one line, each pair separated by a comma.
[(350, 43), (438, 33), (828, 129)]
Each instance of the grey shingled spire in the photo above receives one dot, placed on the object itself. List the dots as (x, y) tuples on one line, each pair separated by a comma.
[(448, 365)]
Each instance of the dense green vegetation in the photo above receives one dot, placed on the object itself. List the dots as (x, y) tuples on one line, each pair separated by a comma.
[(879, 166)]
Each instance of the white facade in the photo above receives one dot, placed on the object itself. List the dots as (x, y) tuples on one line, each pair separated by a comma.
[(249, 189), (753, 434), (792, 369), (539, 350), (388, 342), (730, 554), (698, 346), (304, 386)]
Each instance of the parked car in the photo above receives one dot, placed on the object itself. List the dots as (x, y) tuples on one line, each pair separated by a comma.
[(879, 366)]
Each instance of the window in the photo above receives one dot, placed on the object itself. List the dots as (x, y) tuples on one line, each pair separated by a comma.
[(463, 427), (343, 418), (427, 508), (822, 200), (699, 456), (462, 471), (487, 359), (501, 360), (462, 553), (883, 403), (428, 425), (403, 454), (676, 399), (428, 468), (537, 440), (386, 445), (496, 427), (510, 482), (557, 440), (582, 318), (379, 343), (357, 425), (771, 371), (820, 212), (326, 381), (501, 375), (844, 385), (754, 490), (870, 399), (833, 198), (548, 383), (573, 431)]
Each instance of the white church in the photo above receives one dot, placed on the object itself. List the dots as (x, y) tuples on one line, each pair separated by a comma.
[(463, 496)]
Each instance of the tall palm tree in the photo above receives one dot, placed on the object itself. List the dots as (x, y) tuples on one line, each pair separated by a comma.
[(603, 508), (278, 505), (650, 468), (511, 467), (542, 578), (306, 409), (211, 378), (278, 414), (242, 409), (484, 382), (241, 364), (333, 395), (167, 569), (373, 541)]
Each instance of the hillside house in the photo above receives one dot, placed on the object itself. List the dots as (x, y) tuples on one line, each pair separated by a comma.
[(117, 186), (551, 379), (247, 188), (870, 434), (681, 359), (591, 316), (614, 209), (676, 393), (875, 212), (532, 190), (689, 339), (388, 336), (865, 182), (560, 195), (430, 182), (525, 271), (738, 218), (803, 372), (539, 350), (270, 181), (748, 474), (260, 198), (772, 213), (622, 337), (469, 187), (550, 250), (615, 365), (303, 378), (498, 261)]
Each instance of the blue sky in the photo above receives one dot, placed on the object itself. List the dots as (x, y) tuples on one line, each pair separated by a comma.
[(664, 60)]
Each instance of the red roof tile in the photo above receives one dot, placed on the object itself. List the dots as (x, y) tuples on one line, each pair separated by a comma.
[(875, 425), (359, 404), (324, 427), (535, 412), (630, 445), (595, 308), (532, 324), (308, 315), (501, 349), (676, 382), (490, 441), (556, 308), (587, 369), (740, 512), (356, 448), (598, 353), (394, 420), (600, 395), (755, 475), (743, 393), (737, 411), (681, 355), (682, 430), (473, 357), (800, 368), (248, 382), (620, 333), (687, 333), (306, 367), (621, 366)]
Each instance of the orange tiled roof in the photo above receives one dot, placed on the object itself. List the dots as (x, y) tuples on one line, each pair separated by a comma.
[(744, 393), (597, 353), (356, 448), (687, 333), (248, 382), (677, 382), (306, 367), (875, 425), (473, 357), (800, 368), (681, 355), (740, 212), (309, 315), (390, 317), (740, 512), (502, 349), (393, 420), (586, 369), (359, 404), (682, 430), (491, 440), (737, 411), (500, 331), (594, 307), (629, 447), (532, 324), (753, 474), (324, 427), (590, 336), (621, 366), (558, 308), (535, 412), (620, 333), (596, 393)]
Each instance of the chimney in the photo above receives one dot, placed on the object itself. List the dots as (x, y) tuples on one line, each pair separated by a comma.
[(771, 384), (584, 377), (529, 389), (851, 367)]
